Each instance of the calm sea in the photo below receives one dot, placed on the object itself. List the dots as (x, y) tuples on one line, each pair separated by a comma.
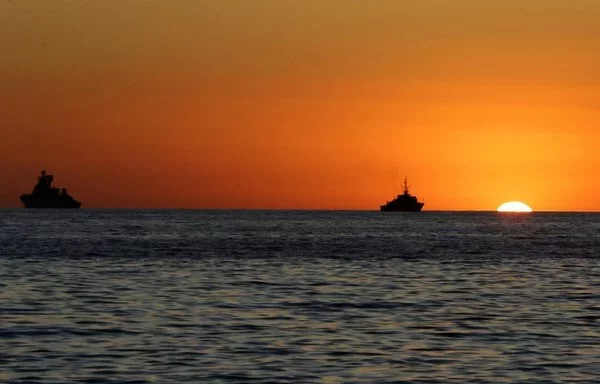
[(95, 296)]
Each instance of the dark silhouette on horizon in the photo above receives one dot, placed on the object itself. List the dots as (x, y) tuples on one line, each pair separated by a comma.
[(44, 195), (403, 203)]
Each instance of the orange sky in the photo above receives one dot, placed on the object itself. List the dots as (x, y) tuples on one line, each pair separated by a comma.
[(307, 104)]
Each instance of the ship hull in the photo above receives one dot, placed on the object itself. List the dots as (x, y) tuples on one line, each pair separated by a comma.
[(31, 202), (412, 208)]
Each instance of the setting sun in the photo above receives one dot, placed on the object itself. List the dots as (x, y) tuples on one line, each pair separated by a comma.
[(514, 206)]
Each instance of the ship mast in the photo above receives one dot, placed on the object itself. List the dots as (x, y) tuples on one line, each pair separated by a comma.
[(406, 186)]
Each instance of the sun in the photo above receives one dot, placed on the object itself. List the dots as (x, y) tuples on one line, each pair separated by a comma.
[(514, 206)]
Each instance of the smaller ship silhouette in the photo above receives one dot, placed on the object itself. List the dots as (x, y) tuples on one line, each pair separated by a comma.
[(44, 195), (403, 203)]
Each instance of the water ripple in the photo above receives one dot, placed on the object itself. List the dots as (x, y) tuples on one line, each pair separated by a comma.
[(288, 297)]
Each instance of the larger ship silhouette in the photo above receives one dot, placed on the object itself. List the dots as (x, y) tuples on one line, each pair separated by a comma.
[(44, 195), (403, 203)]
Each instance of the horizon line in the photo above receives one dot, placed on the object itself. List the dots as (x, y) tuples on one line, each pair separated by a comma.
[(294, 209)]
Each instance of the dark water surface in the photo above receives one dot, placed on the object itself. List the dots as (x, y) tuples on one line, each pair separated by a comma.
[(318, 297)]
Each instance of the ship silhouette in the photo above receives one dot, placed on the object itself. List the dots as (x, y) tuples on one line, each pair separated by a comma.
[(44, 195), (403, 203)]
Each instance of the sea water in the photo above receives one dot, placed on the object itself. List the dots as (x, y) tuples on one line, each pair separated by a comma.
[(128, 296)]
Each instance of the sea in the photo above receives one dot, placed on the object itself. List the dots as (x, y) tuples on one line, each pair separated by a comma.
[(187, 296)]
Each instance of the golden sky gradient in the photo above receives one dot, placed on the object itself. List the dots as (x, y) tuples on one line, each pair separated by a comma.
[(302, 104)]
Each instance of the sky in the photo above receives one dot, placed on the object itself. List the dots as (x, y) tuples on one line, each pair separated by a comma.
[(310, 104)]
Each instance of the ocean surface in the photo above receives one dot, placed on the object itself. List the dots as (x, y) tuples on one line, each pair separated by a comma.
[(126, 296)]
